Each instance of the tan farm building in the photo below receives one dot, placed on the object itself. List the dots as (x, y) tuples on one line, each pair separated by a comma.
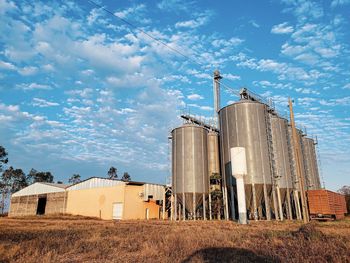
[(95, 197)]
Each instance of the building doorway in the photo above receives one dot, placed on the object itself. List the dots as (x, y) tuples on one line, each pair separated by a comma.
[(147, 214), (118, 211), (41, 205)]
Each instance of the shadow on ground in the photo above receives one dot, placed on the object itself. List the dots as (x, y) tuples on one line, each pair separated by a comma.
[(222, 254)]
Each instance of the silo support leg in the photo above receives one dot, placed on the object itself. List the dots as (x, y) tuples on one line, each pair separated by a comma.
[(194, 206), (210, 215), (172, 208), (175, 208), (267, 204), (183, 207), (254, 203), (225, 202), (233, 212), (297, 204), (289, 206), (204, 208), (275, 205), (279, 203)]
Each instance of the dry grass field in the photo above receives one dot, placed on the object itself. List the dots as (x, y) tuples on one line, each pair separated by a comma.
[(78, 239)]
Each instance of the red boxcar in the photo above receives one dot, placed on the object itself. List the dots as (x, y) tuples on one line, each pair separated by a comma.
[(324, 204)]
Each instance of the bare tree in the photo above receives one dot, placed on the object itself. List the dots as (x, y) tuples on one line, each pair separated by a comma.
[(345, 190)]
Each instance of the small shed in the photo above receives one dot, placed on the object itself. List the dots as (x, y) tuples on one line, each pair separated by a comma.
[(38, 199)]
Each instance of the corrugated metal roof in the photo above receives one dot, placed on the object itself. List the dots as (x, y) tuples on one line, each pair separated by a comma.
[(105, 182), (156, 191), (39, 188), (64, 186), (95, 182)]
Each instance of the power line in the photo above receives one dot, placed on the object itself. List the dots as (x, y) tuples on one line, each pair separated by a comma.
[(228, 88), (144, 32)]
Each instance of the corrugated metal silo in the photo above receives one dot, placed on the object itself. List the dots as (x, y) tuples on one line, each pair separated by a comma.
[(190, 180), (282, 164), (244, 124), (311, 168), (213, 153)]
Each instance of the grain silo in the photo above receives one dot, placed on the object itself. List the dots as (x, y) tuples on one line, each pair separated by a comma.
[(214, 173), (282, 165), (311, 168), (244, 124), (213, 153), (190, 180)]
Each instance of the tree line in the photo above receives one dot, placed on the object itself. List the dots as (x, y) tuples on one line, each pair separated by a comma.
[(14, 179)]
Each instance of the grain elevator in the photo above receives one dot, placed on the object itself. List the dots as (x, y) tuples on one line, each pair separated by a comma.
[(280, 163)]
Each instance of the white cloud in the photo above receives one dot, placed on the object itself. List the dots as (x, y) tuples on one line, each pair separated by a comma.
[(345, 101), (306, 101), (347, 86), (48, 67), (134, 11), (195, 97), (135, 80), (200, 20), (304, 10), (230, 76), (7, 6), (285, 71), (87, 72), (7, 65), (306, 91), (33, 86), (204, 108), (336, 3), (28, 71), (220, 43), (175, 5), (328, 52), (42, 103), (283, 28), (307, 58), (198, 74), (254, 23)]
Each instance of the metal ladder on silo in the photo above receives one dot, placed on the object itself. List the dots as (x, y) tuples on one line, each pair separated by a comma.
[(271, 157)]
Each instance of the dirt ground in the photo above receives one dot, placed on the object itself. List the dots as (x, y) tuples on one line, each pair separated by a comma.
[(78, 239)]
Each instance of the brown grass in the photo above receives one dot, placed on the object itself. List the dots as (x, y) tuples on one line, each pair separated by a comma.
[(77, 239)]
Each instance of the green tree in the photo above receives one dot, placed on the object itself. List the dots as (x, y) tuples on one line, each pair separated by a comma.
[(3, 161), (3, 157), (35, 176), (112, 173), (75, 178), (12, 180), (126, 177)]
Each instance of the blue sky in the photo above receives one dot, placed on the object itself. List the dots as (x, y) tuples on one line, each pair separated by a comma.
[(81, 91)]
